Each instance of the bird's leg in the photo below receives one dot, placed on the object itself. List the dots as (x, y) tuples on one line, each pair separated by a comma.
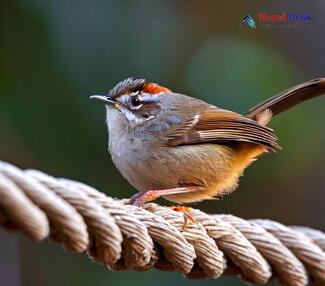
[(187, 217), (139, 199)]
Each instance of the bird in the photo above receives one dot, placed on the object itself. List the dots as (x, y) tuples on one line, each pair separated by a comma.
[(170, 145)]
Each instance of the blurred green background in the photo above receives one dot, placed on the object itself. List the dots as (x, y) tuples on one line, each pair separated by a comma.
[(54, 54)]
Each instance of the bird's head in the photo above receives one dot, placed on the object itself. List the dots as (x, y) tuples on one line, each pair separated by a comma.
[(135, 101)]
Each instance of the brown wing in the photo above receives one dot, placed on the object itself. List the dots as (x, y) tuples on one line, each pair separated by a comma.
[(221, 126)]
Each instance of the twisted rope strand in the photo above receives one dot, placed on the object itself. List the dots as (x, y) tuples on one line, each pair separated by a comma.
[(127, 237), (272, 250), (300, 245), (138, 246), (28, 217), (242, 253), (208, 256), (176, 249), (67, 226), (316, 236), (107, 238)]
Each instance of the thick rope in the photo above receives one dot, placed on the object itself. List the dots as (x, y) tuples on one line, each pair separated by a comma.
[(124, 237)]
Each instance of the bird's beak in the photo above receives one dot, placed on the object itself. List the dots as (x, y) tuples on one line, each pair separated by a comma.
[(104, 98)]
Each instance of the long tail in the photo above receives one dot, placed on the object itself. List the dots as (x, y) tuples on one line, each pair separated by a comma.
[(289, 98)]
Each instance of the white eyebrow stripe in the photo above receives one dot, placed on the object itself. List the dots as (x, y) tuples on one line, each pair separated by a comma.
[(149, 97)]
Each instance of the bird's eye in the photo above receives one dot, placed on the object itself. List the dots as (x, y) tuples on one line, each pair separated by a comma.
[(135, 102)]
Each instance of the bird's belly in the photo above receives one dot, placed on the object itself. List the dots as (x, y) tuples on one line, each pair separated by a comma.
[(210, 166)]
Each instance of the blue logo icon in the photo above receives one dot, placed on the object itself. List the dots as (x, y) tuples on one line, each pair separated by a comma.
[(248, 21)]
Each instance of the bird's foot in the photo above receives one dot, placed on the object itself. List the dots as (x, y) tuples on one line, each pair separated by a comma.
[(186, 216), (139, 199)]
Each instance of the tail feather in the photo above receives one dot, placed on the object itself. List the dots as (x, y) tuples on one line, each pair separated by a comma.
[(289, 98)]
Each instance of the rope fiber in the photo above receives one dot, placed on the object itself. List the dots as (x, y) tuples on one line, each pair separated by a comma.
[(123, 236)]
